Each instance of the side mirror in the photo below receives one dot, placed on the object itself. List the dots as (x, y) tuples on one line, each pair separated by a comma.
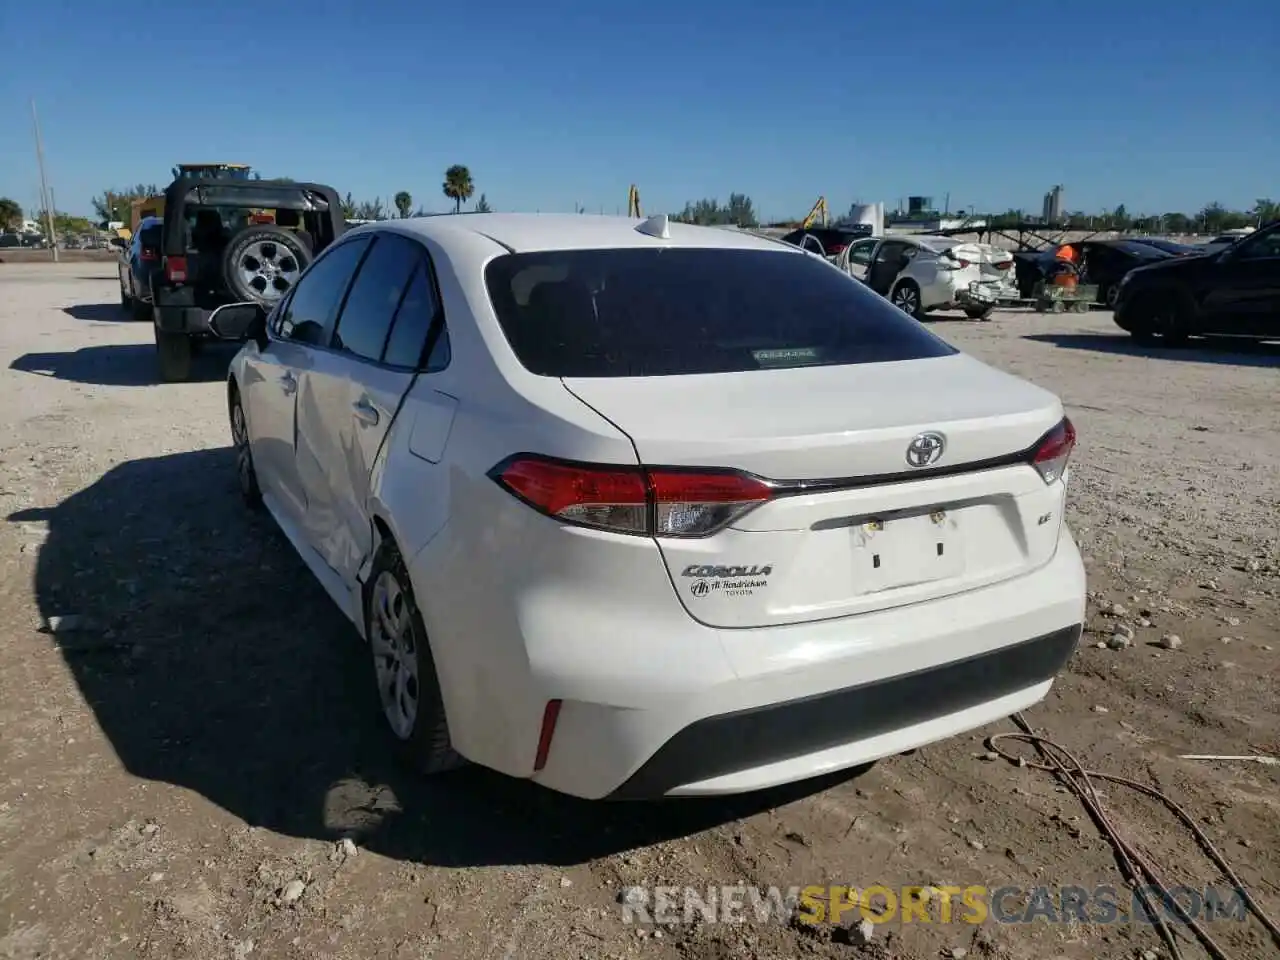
[(238, 321)]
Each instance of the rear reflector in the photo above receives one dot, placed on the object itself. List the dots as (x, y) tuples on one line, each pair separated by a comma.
[(653, 502), (1051, 454), (175, 269), (549, 717)]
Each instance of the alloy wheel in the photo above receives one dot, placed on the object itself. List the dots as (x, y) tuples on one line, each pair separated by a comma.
[(268, 268), (395, 654)]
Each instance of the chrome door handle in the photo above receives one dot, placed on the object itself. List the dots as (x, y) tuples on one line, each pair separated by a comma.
[(366, 412)]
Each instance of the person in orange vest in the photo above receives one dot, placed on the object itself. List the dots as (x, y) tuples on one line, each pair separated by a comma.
[(1066, 266)]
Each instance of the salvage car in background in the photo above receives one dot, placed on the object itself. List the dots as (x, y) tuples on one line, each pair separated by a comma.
[(1103, 263), (138, 263), (636, 510), (1234, 292), (920, 274), (832, 241)]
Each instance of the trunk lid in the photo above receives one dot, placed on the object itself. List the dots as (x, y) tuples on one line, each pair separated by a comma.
[(875, 532), (986, 260)]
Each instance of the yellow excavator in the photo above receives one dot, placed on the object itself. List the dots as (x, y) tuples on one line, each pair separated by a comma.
[(819, 210)]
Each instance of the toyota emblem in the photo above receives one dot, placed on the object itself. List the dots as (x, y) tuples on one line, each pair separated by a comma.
[(925, 449)]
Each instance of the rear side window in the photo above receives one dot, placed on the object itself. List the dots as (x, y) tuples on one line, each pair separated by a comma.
[(149, 238), (638, 312), (417, 312)]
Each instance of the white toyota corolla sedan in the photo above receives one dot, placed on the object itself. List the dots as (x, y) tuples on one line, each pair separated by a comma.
[(636, 509)]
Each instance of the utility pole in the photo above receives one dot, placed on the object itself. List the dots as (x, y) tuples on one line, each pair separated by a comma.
[(44, 182)]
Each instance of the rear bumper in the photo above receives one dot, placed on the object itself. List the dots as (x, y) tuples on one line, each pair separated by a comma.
[(656, 704), (984, 295), (746, 746)]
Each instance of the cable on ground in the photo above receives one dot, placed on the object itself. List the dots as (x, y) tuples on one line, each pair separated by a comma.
[(1058, 760)]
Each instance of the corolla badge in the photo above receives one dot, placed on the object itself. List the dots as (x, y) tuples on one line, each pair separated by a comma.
[(925, 449)]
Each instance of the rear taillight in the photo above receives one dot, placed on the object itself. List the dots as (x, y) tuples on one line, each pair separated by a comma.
[(1004, 265), (836, 249), (175, 269), (1051, 454), (150, 256), (647, 502)]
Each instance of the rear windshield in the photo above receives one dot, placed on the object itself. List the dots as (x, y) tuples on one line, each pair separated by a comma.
[(651, 313), (149, 237)]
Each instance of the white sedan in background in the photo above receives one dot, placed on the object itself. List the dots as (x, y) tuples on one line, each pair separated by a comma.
[(920, 274), (636, 509)]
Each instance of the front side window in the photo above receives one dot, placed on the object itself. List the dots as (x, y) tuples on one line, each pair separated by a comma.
[(313, 308), (375, 295), (640, 312)]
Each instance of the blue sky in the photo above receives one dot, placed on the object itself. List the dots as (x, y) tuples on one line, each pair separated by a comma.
[(1164, 105)]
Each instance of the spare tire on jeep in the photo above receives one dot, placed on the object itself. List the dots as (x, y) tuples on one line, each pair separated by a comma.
[(263, 262)]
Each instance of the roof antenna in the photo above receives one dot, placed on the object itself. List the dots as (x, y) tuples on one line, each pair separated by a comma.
[(656, 226)]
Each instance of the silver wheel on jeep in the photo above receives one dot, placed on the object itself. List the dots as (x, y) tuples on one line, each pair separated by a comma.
[(268, 268)]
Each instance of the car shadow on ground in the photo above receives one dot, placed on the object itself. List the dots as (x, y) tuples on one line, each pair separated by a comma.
[(1240, 353), (122, 365), (99, 313), (215, 662)]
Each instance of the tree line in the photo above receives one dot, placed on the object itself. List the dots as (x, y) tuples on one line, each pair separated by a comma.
[(1210, 219), (458, 186)]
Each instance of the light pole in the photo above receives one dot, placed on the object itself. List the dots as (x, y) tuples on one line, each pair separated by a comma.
[(44, 182)]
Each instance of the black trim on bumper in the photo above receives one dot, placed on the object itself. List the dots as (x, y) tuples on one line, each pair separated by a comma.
[(183, 319), (721, 745)]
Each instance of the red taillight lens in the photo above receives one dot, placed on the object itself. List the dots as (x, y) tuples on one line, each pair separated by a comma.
[(1004, 265), (657, 503), (836, 249), (1051, 454), (175, 268), (150, 256)]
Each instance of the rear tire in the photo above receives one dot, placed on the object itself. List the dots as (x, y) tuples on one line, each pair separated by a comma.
[(173, 356), (403, 669), (979, 313), (140, 310), (906, 297), (1160, 318)]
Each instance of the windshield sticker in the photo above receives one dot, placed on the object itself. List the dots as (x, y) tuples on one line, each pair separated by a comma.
[(790, 357)]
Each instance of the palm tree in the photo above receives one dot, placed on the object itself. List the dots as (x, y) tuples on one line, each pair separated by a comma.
[(404, 204), (458, 186), (482, 205), (10, 214)]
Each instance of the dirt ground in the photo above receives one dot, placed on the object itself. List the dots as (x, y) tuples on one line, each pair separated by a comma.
[(180, 765)]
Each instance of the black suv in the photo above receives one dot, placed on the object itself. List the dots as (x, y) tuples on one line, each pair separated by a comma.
[(230, 241), (1235, 292)]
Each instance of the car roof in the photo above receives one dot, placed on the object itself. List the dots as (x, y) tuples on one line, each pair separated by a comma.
[(532, 232), (150, 222)]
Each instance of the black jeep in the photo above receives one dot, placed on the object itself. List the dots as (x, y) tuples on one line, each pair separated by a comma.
[(229, 241)]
